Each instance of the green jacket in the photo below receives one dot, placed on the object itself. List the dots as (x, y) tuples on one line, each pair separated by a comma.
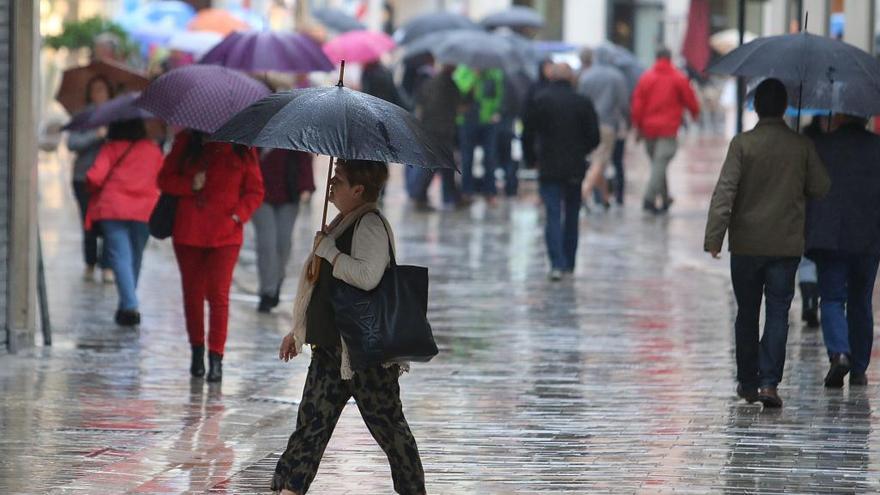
[(761, 195), (474, 85)]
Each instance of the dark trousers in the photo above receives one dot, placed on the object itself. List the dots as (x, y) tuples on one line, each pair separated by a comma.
[(619, 175), (846, 284), (562, 201), (90, 237), (377, 394), (469, 137), (504, 155), (760, 362)]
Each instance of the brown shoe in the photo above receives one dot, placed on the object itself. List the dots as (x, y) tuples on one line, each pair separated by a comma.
[(769, 397), (749, 394)]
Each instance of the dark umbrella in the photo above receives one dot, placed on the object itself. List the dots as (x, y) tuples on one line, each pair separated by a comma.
[(200, 97), (431, 23), (860, 98), (118, 109), (264, 51), (803, 59), (338, 122), (481, 50), (72, 92), (337, 20), (517, 16)]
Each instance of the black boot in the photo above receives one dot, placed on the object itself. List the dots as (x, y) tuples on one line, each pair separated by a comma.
[(810, 304), (265, 305), (197, 367), (215, 367)]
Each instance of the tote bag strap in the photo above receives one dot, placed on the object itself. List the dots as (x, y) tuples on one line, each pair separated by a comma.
[(387, 233)]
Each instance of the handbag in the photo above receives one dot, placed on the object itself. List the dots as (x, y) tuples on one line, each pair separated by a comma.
[(388, 323), (162, 217)]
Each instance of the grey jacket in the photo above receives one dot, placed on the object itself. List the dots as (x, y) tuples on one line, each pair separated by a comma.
[(607, 88), (761, 195), (86, 145)]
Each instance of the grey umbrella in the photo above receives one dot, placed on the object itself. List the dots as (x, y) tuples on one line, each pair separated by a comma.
[(481, 50), (517, 16), (337, 20), (426, 24), (860, 98)]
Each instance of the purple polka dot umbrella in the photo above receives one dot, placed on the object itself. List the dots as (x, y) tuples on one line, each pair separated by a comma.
[(201, 97), (264, 51)]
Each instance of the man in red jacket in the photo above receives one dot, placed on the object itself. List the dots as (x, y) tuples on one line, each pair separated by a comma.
[(659, 101)]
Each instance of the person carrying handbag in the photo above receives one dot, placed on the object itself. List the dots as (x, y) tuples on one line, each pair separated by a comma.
[(123, 192), (356, 249)]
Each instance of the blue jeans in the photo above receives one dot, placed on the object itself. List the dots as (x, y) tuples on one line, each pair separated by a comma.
[(124, 242), (469, 137), (846, 283), (760, 363), (562, 200), (619, 175)]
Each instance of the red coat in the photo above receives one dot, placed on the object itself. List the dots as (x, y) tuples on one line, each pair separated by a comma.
[(123, 187), (660, 99), (233, 187)]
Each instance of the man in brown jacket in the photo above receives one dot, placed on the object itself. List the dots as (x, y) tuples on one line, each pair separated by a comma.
[(760, 201)]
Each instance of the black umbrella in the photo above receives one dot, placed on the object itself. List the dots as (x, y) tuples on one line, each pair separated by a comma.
[(337, 20), (432, 23), (338, 122), (514, 17), (803, 59), (859, 98)]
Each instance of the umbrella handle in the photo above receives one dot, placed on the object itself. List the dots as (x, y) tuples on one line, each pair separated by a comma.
[(313, 271)]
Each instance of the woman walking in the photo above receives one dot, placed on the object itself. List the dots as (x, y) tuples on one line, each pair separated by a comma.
[(356, 250), (86, 144), (219, 187), (274, 220), (122, 185)]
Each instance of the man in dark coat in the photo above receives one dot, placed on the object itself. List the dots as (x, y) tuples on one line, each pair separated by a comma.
[(377, 80), (843, 237), (760, 202), (560, 129), (436, 106)]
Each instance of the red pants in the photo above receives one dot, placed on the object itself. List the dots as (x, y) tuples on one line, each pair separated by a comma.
[(206, 273)]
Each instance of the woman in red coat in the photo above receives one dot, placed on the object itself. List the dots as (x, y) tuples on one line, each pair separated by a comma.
[(219, 187), (122, 193)]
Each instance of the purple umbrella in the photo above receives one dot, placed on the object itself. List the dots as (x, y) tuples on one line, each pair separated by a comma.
[(201, 97), (263, 51), (118, 109)]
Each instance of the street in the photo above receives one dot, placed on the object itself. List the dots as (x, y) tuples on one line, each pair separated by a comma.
[(620, 380)]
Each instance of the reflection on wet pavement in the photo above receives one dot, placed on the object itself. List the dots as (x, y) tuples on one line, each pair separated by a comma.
[(618, 381)]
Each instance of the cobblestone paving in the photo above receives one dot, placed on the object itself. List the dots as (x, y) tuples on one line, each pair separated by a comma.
[(618, 381)]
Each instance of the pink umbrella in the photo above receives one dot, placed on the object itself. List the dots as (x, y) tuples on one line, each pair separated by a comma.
[(358, 46)]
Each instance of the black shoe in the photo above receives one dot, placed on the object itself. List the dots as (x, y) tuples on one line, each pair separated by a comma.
[(650, 207), (127, 317), (858, 379), (769, 397), (215, 367), (667, 203), (265, 305), (276, 299), (839, 368), (750, 394), (197, 365), (810, 304)]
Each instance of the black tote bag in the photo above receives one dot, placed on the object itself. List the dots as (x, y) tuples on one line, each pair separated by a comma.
[(388, 323), (162, 218)]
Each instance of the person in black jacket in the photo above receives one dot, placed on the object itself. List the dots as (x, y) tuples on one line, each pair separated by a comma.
[(843, 237), (560, 129), (377, 80)]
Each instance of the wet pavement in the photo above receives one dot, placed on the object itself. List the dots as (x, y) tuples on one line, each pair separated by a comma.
[(619, 380)]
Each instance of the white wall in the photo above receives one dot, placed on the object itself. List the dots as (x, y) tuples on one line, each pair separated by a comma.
[(584, 22)]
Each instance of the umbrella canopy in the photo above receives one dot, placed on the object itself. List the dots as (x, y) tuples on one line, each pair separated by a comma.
[(861, 97), (338, 122), (431, 23), (517, 16), (337, 20), (480, 50), (72, 92), (263, 51), (217, 21), (200, 97), (197, 43), (726, 41), (118, 109), (801, 57), (358, 46)]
